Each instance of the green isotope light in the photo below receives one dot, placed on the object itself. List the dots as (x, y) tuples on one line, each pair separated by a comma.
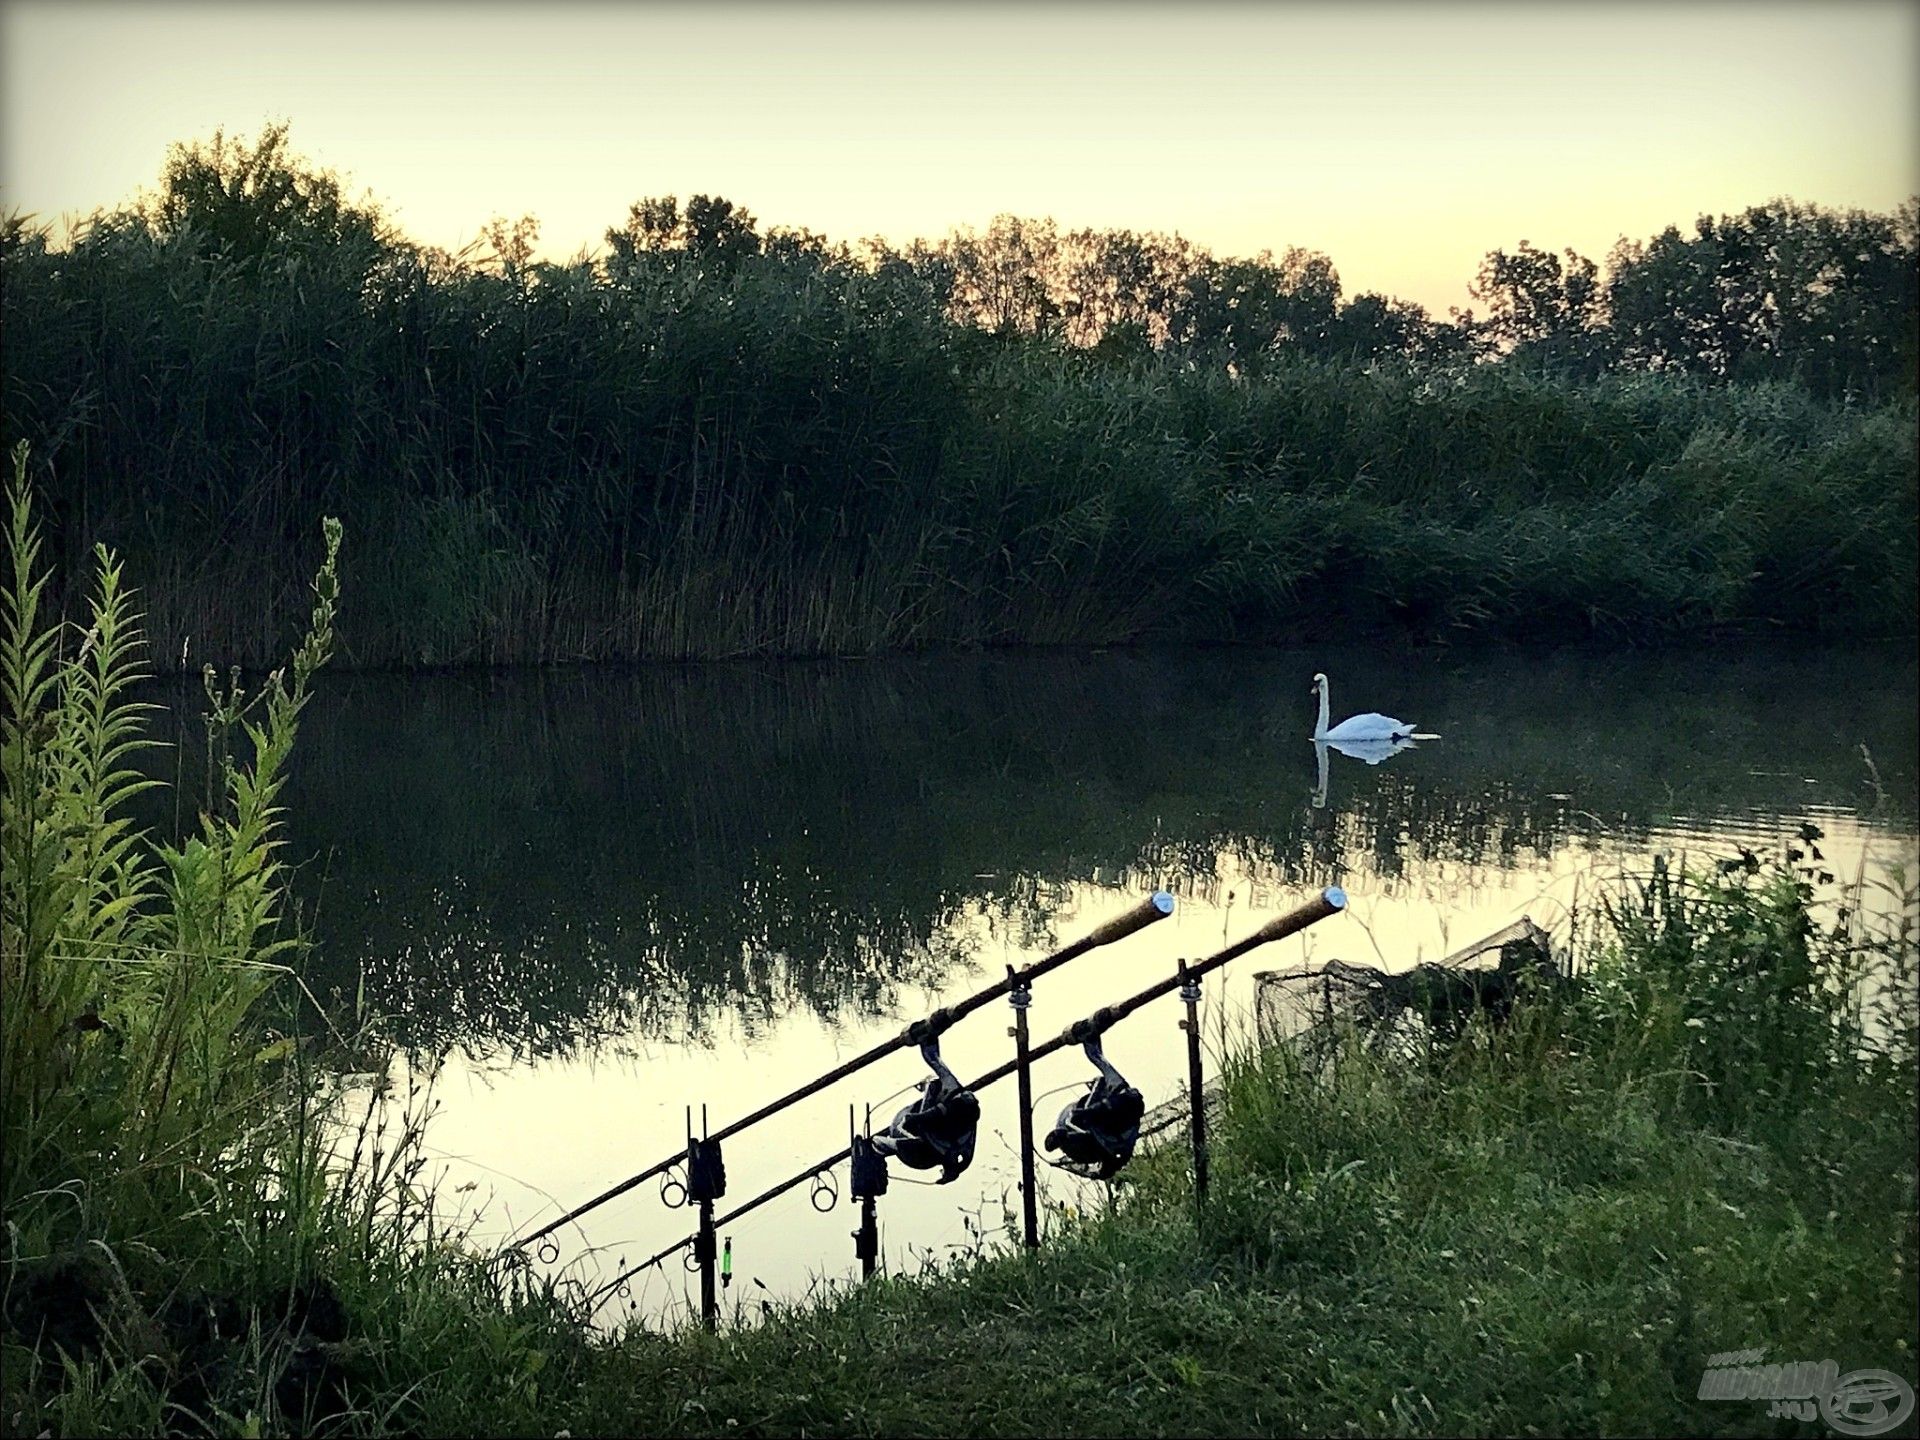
[(726, 1264)]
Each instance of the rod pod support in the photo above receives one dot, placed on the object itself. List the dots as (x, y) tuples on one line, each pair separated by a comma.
[(1196, 1090), (706, 1183), (869, 1183), (1020, 997)]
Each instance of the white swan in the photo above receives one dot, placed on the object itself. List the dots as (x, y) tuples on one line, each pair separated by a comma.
[(1371, 726)]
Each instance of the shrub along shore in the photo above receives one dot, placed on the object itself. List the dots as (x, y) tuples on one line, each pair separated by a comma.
[(713, 441), (1705, 1143)]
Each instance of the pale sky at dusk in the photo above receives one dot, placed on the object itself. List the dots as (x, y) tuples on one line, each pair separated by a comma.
[(1404, 141)]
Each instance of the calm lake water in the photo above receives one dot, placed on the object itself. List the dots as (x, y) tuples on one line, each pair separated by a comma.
[(591, 898)]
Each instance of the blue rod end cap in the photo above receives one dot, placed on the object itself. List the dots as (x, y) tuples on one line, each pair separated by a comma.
[(1163, 902), (1335, 896)]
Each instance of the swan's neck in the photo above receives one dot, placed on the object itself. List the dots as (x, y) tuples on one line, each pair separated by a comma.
[(1321, 728)]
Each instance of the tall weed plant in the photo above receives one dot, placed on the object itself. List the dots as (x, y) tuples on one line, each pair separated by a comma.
[(159, 1126)]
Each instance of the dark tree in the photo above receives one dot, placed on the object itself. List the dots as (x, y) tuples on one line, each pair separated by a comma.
[(712, 236), (1542, 309), (1781, 290), (246, 201)]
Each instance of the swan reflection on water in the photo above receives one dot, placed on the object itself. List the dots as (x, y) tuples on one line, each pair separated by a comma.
[(1372, 751)]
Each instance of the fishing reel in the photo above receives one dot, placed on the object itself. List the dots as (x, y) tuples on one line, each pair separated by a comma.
[(1096, 1133), (937, 1130)]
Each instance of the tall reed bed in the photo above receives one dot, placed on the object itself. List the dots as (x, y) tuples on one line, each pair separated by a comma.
[(794, 454)]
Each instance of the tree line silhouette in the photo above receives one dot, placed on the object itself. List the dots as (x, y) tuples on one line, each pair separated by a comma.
[(715, 437)]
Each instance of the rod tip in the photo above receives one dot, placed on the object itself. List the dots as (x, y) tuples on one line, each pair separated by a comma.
[(1335, 896), (1163, 902)]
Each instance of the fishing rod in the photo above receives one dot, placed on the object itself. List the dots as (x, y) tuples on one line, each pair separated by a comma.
[(1330, 901), (1155, 907)]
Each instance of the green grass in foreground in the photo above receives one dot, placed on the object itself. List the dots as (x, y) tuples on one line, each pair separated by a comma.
[(1704, 1146)]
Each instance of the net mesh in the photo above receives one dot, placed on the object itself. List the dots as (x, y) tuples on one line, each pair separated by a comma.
[(1172, 1113), (1404, 1011)]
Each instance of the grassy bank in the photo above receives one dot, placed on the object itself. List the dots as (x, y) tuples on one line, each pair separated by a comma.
[(728, 443), (1707, 1144)]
